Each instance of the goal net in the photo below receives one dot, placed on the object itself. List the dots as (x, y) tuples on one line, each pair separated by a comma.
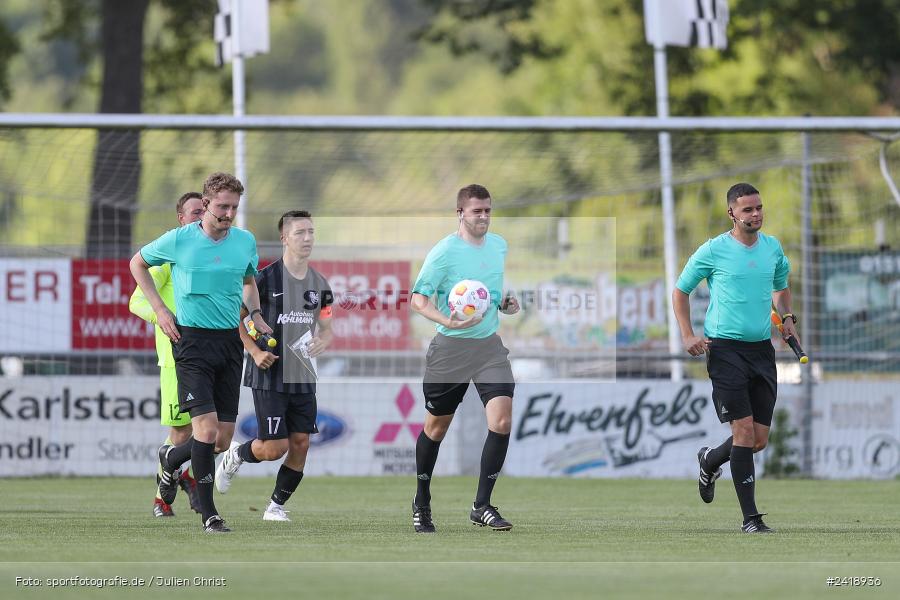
[(580, 211)]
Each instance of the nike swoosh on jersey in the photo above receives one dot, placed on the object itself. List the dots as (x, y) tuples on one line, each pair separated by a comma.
[(274, 295)]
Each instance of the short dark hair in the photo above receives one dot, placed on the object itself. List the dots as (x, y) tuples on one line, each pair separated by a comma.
[(739, 190), (218, 182), (471, 191), (292, 214), (179, 206)]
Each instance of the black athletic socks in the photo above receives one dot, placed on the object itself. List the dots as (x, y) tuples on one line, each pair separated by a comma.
[(286, 484), (718, 456), (180, 454), (204, 466), (743, 474), (426, 457), (245, 451), (492, 457)]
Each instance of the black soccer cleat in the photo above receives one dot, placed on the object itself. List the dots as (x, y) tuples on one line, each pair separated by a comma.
[(215, 524), (422, 522), (168, 478), (489, 516), (755, 524), (707, 481), (161, 509)]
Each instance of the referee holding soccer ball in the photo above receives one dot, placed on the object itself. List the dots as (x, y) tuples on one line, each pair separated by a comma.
[(746, 271), (462, 351)]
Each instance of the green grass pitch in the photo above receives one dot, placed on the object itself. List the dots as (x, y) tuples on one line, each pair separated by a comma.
[(353, 538)]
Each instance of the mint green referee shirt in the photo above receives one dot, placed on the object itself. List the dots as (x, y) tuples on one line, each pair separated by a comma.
[(741, 280), (208, 275), (453, 259)]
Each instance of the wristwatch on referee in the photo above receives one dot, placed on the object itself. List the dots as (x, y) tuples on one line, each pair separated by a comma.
[(791, 315), (256, 310)]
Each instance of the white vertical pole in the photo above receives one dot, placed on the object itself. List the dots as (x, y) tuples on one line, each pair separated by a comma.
[(237, 98), (806, 375), (670, 249)]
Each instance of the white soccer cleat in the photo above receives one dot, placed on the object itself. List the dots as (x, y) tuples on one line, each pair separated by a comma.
[(275, 512), (228, 467)]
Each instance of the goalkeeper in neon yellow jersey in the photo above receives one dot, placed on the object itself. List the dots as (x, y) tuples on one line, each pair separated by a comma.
[(189, 208)]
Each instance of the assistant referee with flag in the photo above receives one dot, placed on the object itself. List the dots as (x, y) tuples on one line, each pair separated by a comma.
[(746, 271)]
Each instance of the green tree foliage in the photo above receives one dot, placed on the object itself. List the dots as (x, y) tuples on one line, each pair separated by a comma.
[(176, 55), (469, 26), (784, 56), (834, 40), (134, 72), (466, 57)]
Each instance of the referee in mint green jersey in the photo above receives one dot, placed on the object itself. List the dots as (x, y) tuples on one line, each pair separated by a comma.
[(213, 268), (464, 351), (746, 272)]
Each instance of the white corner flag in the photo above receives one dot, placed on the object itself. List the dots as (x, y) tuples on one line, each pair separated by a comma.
[(701, 23), (254, 29)]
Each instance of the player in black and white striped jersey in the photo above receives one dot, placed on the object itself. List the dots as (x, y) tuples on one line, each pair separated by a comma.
[(296, 299)]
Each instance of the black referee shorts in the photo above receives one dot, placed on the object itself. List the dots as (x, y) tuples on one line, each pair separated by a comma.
[(743, 379), (451, 362), (208, 364)]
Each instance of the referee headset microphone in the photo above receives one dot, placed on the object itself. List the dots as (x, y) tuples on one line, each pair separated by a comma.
[(217, 217), (730, 212)]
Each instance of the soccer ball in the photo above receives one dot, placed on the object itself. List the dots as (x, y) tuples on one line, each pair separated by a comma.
[(468, 298)]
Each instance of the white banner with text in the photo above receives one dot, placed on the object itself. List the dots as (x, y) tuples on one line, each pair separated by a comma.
[(647, 428)]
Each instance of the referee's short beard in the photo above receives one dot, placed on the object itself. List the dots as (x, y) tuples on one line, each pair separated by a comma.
[(748, 226), (474, 230), (754, 228)]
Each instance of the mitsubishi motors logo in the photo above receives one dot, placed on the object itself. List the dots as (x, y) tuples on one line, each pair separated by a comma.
[(388, 432)]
